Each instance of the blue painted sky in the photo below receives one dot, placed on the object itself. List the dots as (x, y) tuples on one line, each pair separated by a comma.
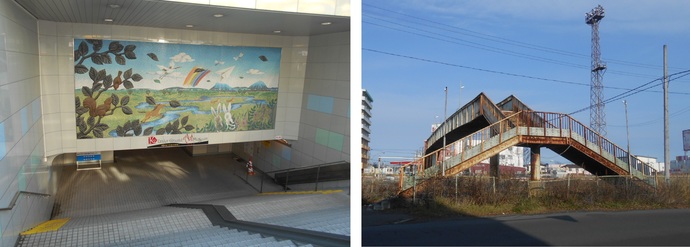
[(413, 49), (243, 65)]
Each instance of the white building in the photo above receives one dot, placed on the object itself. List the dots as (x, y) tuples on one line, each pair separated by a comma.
[(366, 123), (651, 161)]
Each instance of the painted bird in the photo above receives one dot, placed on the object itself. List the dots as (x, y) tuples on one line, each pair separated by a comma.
[(118, 80)]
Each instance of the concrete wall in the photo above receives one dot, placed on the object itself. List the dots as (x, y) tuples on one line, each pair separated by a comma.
[(324, 126), (57, 79), (22, 165)]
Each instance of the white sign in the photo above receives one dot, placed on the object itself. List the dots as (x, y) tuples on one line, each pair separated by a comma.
[(169, 141)]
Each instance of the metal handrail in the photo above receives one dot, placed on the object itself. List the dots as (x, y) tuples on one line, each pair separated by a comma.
[(307, 167), (13, 202)]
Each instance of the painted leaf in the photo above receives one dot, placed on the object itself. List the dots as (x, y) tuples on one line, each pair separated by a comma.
[(82, 136), (127, 126), (148, 91), (137, 130), (168, 128), (153, 56), (130, 48), (189, 127), (160, 131), (83, 48), (82, 127), (91, 121), (77, 102), (127, 74), (125, 100), (97, 60), (97, 44), (93, 74), (174, 104), (130, 55), (176, 124), (135, 122), (101, 127), (128, 84), (115, 46), (108, 82), (80, 69), (106, 59), (176, 132), (98, 133), (184, 120), (116, 99), (137, 77), (77, 55), (148, 131), (119, 59), (157, 81), (101, 75), (86, 91), (126, 110), (150, 100), (120, 131), (97, 86)]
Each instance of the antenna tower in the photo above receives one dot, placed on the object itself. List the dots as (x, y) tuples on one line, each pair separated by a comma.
[(596, 111)]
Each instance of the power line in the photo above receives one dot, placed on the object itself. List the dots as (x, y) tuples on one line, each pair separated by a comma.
[(638, 89), (502, 40), (501, 72)]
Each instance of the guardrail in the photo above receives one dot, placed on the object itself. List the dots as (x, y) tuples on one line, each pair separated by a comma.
[(13, 202)]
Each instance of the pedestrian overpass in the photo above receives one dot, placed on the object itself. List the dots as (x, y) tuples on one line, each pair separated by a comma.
[(480, 130)]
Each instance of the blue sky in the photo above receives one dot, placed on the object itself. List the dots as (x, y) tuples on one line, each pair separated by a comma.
[(412, 49)]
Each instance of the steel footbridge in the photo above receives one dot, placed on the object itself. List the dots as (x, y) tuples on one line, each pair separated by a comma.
[(480, 130)]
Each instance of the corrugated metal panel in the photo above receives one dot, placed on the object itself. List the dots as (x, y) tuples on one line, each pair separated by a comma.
[(163, 14)]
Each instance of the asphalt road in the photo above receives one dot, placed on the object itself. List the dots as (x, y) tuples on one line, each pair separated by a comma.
[(629, 228)]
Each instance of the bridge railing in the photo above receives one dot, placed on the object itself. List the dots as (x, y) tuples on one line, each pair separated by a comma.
[(432, 164), (566, 126)]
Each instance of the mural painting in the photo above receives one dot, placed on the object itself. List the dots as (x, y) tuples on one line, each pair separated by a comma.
[(128, 88)]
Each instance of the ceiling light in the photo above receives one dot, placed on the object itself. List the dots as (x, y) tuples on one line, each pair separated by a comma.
[(108, 20), (326, 23), (162, 41), (114, 6), (276, 31), (218, 15), (189, 25)]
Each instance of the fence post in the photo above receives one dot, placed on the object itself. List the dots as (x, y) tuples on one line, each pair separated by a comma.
[(287, 175), (493, 186), (568, 191), (456, 188), (318, 170), (262, 183)]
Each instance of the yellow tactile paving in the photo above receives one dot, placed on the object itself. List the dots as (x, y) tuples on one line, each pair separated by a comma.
[(48, 226), (324, 192)]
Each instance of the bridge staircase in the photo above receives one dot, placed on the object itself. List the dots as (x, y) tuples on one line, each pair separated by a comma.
[(556, 131)]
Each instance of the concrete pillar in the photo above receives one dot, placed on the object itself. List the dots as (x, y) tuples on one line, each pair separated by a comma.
[(535, 163), (493, 166)]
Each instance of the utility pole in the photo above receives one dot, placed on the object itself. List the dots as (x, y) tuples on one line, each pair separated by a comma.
[(667, 152), (596, 112), (445, 107), (627, 130)]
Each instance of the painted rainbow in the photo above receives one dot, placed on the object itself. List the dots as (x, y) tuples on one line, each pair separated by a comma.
[(195, 76)]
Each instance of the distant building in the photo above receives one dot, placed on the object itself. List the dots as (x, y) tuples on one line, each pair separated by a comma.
[(484, 169), (681, 165), (366, 124), (651, 161)]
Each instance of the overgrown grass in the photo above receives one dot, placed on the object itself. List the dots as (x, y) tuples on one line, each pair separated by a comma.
[(476, 196)]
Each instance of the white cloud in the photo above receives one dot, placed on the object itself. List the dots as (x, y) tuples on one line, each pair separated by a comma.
[(255, 72), (182, 58)]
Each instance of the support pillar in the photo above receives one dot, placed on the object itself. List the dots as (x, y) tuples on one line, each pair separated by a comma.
[(535, 184), (535, 163), (493, 166)]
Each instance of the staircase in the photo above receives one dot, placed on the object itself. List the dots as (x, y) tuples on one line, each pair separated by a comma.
[(556, 131)]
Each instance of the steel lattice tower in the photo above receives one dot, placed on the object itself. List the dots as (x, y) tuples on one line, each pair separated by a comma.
[(596, 111)]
